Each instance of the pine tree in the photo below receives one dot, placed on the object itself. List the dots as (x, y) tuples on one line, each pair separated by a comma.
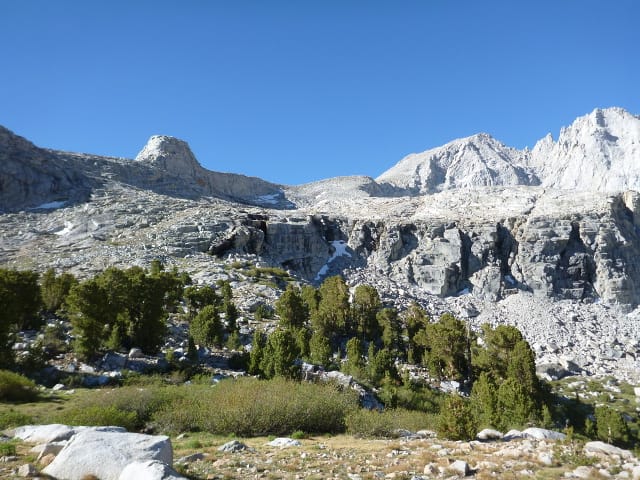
[(456, 421), (206, 327), (319, 349), (55, 289), (447, 348), (483, 401), (354, 365), (280, 355), (365, 306), (256, 356), (515, 406), (291, 309)]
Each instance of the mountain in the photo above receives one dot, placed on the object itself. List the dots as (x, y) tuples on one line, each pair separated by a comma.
[(476, 161), (599, 151), (547, 239)]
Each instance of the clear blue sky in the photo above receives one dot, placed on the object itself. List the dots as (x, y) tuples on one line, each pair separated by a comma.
[(295, 91)]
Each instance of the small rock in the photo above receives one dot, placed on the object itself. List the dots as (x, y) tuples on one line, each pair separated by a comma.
[(545, 458), (46, 460), (135, 353), (194, 457), (461, 467), (233, 447), (489, 434), (284, 442), (430, 469), (57, 387), (583, 472), (27, 470)]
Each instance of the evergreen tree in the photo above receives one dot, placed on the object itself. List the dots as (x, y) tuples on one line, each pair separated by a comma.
[(389, 324), (354, 364), (456, 421), (230, 314), (332, 316), (291, 309), (515, 406), (499, 344), (365, 306), (416, 321), (611, 427), (319, 349), (280, 355), (311, 298), (256, 355), (447, 348), (20, 299), (483, 401), (55, 289), (206, 327), (90, 316), (197, 297)]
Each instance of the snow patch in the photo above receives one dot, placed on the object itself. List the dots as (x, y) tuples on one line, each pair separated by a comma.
[(271, 199), (68, 227), (340, 250), (50, 205)]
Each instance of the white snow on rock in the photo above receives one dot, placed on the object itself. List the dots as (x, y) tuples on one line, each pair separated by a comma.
[(68, 228), (50, 205), (340, 250)]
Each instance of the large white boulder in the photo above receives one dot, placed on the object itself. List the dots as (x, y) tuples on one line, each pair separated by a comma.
[(602, 448), (106, 454), (54, 432), (149, 470), (542, 434)]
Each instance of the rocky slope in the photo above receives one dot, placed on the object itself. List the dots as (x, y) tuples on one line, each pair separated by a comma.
[(543, 237)]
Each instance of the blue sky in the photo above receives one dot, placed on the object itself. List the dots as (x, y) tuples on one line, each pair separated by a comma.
[(296, 91)]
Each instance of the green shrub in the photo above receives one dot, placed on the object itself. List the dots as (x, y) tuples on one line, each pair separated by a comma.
[(16, 388), (299, 435), (385, 424), (249, 407), (11, 418), (7, 449), (97, 415)]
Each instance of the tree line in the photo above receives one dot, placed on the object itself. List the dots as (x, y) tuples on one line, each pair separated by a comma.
[(332, 326)]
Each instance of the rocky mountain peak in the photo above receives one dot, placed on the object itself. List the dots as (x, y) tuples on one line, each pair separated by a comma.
[(171, 155), (476, 161), (598, 151)]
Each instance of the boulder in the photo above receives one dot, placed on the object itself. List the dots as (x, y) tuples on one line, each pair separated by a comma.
[(284, 442), (149, 470), (27, 470), (542, 434), (460, 467), (232, 447), (602, 448), (489, 434), (44, 433), (105, 454)]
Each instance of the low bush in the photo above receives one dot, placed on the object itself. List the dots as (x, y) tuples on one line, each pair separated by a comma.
[(250, 407), (11, 418), (129, 407), (97, 415), (16, 388), (385, 424), (7, 449)]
